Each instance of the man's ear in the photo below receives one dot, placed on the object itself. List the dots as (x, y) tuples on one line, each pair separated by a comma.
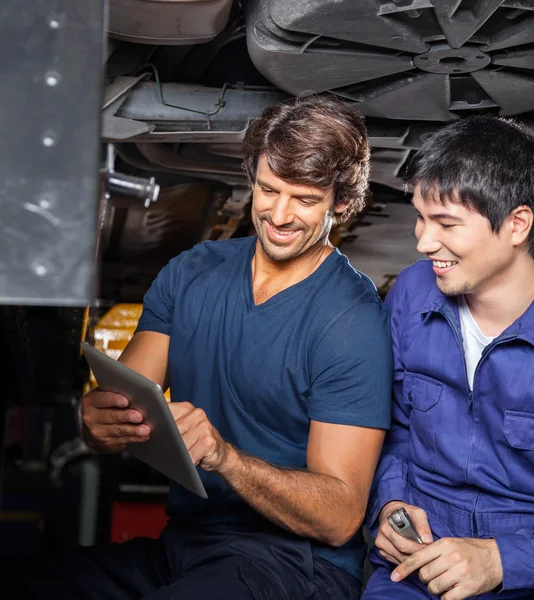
[(522, 219), (340, 207)]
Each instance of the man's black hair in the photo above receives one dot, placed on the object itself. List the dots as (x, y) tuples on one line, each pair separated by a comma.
[(483, 162)]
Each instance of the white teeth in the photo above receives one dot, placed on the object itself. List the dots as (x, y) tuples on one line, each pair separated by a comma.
[(284, 232), (442, 264)]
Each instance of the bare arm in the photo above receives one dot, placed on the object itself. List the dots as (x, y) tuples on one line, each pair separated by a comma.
[(148, 353), (108, 423), (327, 502)]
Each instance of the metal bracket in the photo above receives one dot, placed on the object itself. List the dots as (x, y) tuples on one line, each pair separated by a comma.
[(50, 115), (141, 188)]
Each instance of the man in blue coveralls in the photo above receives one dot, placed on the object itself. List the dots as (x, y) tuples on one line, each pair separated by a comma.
[(278, 357), (460, 454)]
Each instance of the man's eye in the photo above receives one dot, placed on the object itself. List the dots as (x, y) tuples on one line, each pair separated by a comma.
[(267, 191), (447, 226)]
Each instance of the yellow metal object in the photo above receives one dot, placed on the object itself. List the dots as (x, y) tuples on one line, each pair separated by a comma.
[(116, 328), (113, 332)]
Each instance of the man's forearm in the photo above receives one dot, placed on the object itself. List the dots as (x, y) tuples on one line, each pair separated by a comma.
[(387, 487), (309, 504)]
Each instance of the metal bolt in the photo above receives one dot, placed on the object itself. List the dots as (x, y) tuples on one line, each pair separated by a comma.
[(52, 79), (40, 270), (48, 141), (56, 20), (44, 203)]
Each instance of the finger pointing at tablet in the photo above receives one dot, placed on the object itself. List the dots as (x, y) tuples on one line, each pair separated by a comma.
[(108, 424), (203, 442)]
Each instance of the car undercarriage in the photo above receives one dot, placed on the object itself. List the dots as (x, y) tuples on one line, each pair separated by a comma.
[(184, 79)]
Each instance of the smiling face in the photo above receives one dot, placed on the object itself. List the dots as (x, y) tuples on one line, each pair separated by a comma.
[(291, 220), (467, 255)]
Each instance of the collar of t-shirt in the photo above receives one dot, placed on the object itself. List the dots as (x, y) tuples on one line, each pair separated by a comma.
[(473, 338)]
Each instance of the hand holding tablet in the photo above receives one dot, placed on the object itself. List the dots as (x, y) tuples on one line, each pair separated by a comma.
[(164, 449)]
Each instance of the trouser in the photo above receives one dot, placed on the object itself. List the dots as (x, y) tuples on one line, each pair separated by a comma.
[(213, 565), (380, 586)]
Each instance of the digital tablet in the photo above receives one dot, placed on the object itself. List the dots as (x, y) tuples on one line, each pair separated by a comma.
[(165, 451)]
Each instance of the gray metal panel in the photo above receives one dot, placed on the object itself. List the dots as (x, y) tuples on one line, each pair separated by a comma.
[(168, 22), (514, 93), (49, 156), (358, 21), (459, 22)]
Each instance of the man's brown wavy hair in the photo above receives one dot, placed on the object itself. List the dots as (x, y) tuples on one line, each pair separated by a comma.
[(316, 140)]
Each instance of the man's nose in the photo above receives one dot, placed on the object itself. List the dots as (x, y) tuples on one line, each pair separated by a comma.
[(281, 212), (427, 242)]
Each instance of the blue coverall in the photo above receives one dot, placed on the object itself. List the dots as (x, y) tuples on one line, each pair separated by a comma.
[(465, 457)]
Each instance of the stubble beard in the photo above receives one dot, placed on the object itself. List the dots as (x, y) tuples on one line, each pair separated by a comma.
[(271, 249), (302, 246), (278, 253), (459, 290)]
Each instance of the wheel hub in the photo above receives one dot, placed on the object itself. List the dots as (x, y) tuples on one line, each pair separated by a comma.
[(446, 60)]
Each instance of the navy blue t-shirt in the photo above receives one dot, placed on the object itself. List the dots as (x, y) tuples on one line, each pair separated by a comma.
[(319, 350)]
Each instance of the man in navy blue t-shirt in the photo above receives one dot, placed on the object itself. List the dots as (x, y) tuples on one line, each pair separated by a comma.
[(277, 353)]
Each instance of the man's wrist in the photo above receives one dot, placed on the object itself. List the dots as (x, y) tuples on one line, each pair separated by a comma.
[(498, 565), (232, 462)]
